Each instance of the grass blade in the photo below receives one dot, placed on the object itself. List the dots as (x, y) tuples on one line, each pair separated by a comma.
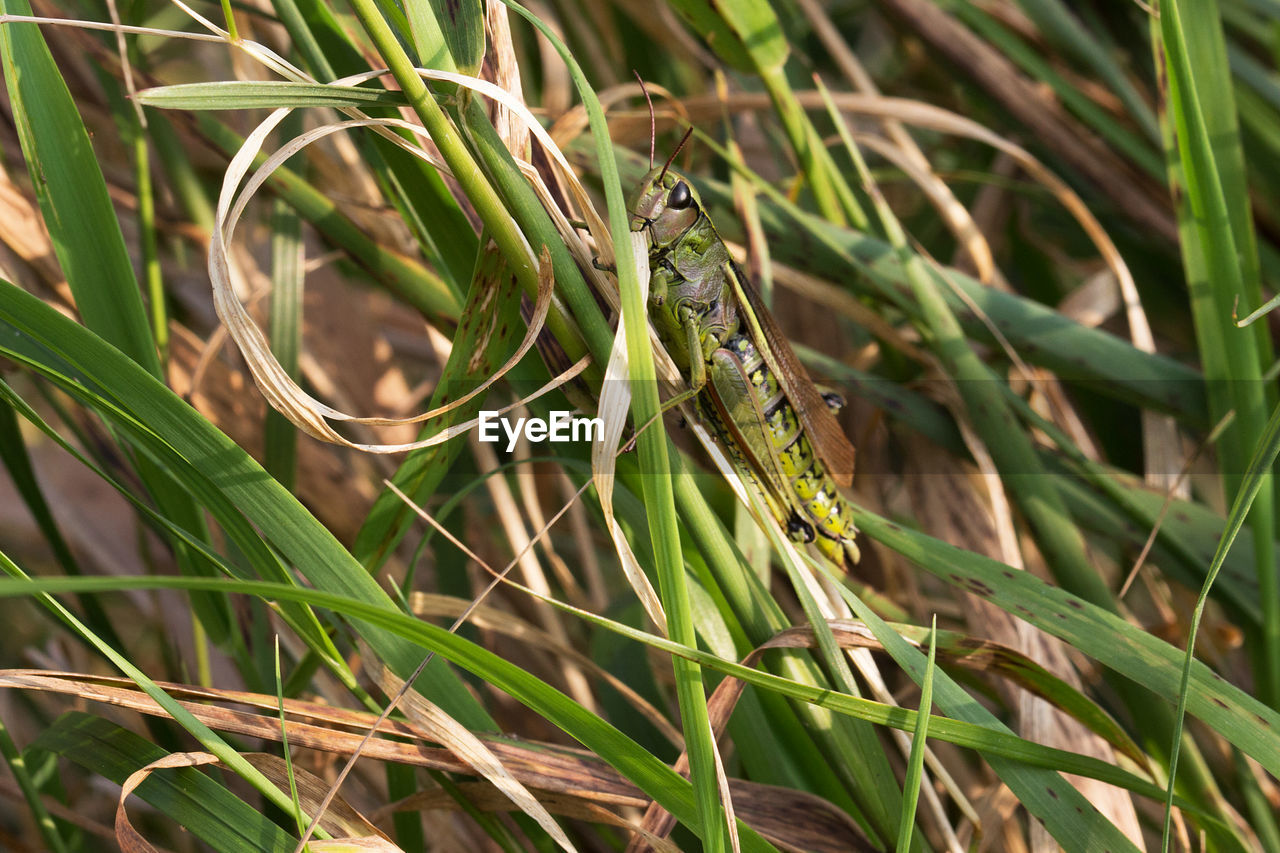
[(1221, 263), (915, 761), (1257, 479)]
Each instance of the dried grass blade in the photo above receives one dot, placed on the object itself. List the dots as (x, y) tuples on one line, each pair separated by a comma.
[(129, 839), (482, 796), (615, 401), (459, 739)]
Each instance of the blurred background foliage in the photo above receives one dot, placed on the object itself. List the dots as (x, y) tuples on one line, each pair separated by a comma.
[(1018, 236)]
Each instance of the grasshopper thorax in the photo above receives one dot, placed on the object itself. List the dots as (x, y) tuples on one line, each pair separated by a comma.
[(665, 205)]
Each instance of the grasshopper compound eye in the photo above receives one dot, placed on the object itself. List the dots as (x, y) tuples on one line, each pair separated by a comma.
[(680, 197)]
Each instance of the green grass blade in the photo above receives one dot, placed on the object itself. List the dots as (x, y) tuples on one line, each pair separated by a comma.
[(1257, 806), (147, 233), (724, 33), (452, 148), (199, 804), (1021, 670), (207, 738), (1221, 262), (1095, 632), (915, 760), (228, 474), (72, 192), (1040, 788), (280, 441), (180, 174), (266, 95), (88, 242), (461, 26), (1257, 479), (13, 452), (17, 764), (237, 530), (300, 820)]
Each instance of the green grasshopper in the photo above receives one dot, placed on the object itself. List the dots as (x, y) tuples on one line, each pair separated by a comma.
[(779, 431)]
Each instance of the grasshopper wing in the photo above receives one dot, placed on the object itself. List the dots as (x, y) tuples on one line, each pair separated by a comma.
[(829, 441)]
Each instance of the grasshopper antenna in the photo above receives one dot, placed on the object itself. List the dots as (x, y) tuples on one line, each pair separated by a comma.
[(653, 123), (672, 158)]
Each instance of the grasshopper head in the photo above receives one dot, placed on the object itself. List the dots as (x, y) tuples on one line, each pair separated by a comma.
[(665, 204)]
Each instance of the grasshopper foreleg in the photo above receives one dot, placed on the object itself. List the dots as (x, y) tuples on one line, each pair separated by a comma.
[(697, 363), (693, 340)]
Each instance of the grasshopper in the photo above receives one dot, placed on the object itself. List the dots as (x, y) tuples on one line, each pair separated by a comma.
[(778, 429)]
